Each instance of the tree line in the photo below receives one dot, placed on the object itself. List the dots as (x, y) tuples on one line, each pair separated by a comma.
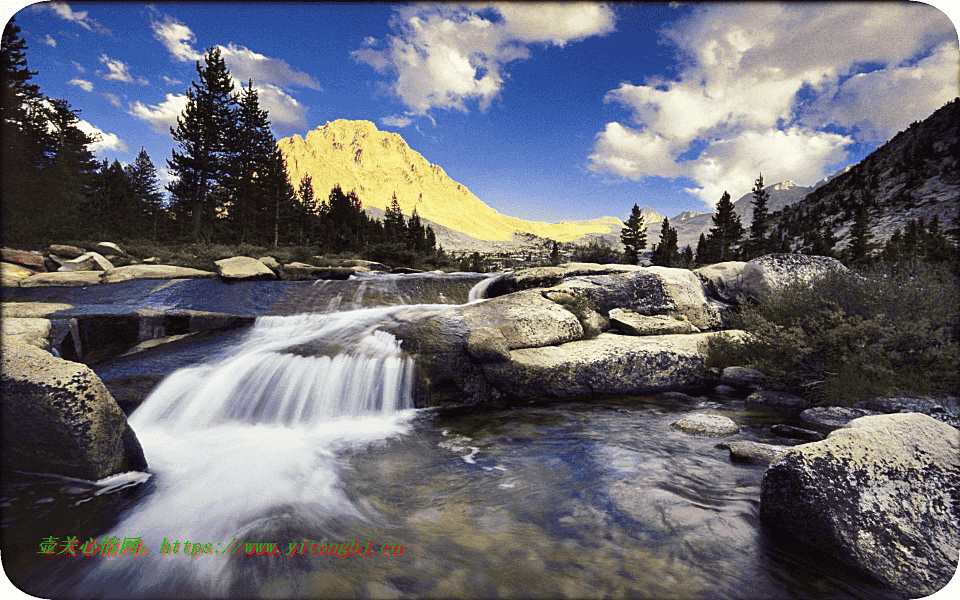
[(230, 182)]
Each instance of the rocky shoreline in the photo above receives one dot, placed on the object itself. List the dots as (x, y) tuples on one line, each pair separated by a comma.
[(878, 492)]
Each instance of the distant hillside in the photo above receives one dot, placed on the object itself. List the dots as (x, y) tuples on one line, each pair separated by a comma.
[(913, 175), (376, 164)]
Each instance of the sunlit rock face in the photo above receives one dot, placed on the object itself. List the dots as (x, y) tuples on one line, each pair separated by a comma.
[(376, 164)]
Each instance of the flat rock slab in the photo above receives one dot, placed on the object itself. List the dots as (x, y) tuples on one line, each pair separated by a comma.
[(154, 272), (66, 251), (834, 417), (608, 364), (755, 451), (31, 309), (74, 278), (24, 258), (90, 261), (243, 267), (13, 274), (880, 495), (706, 424), (631, 323)]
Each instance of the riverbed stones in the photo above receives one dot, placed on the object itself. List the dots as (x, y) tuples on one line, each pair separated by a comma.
[(742, 377), (58, 417), (775, 399), (796, 433), (631, 323), (66, 251), (109, 248), (270, 262), (943, 408), (24, 258), (761, 276), (706, 424), (833, 417), (243, 267), (880, 495), (70, 279), (149, 271)]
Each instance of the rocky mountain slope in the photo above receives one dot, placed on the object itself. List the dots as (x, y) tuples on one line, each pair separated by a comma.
[(376, 164)]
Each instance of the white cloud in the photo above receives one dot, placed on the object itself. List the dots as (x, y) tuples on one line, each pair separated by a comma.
[(113, 100), (82, 84), (161, 116), (759, 80), (80, 18), (396, 121), (176, 38), (50, 41), (284, 111), (171, 81), (447, 55), (245, 64), (119, 71), (78, 66), (107, 141)]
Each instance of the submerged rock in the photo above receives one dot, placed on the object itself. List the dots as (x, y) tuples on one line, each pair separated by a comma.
[(796, 433), (833, 417), (880, 495), (706, 424), (778, 400), (59, 418), (755, 451)]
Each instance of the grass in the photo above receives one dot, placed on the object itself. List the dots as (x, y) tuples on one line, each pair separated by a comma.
[(852, 335)]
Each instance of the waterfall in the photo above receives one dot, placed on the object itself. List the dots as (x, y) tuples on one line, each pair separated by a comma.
[(253, 438)]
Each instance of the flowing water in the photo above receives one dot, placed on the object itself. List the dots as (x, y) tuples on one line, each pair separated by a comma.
[(364, 496)]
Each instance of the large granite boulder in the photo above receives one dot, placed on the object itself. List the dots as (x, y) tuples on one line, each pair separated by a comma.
[(628, 322), (539, 277), (243, 267), (154, 272), (57, 417), (24, 258), (942, 408), (722, 281), (881, 495), (31, 330), (833, 417), (89, 261), (13, 274), (608, 364), (761, 276)]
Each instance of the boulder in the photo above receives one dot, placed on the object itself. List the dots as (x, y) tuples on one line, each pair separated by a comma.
[(66, 251), (70, 278), (630, 323), (369, 266), (880, 495), (153, 272), (537, 277), (754, 451), (833, 417), (525, 319), (608, 364), (243, 267), (270, 262), (13, 310), (722, 281), (108, 248), (12, 274), (24, 258), (944, 408), (57, 417), (706, 424), (30, 330), (763, 275), (487, 344), (741, 377), (298, 271), (89, 261), (775, 399)]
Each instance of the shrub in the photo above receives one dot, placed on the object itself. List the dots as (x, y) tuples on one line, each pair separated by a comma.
[(595, 252), (851, 335)]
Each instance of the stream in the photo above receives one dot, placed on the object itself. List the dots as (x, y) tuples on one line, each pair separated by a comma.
[(274, 474)]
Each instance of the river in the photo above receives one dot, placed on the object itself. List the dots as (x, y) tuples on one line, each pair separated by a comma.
[(251, 443)]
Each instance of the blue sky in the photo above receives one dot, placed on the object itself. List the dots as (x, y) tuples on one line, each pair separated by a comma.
[(544, 111)]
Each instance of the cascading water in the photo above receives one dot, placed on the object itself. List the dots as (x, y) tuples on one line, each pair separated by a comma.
[(249, 442)]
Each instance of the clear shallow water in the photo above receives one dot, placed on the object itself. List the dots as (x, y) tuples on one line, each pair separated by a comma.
[(581, 499)]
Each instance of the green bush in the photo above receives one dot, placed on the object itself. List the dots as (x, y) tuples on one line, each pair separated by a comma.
[(596, 252), (852, 335)]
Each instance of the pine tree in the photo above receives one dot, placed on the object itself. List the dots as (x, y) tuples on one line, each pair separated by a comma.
[(860, 247), (394, 228), (666, 253), (555, 254), (202, 132), (67, 184), (145, 185), (283, 212), (757, 243), (726, 233), (634, 236)]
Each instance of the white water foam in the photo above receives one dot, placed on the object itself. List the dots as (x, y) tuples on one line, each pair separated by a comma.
[(255, 434)]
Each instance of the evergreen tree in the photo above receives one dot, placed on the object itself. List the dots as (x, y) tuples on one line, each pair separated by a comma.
[(634, 236), (860, 247), (202, 132), (555, 254), (757, 243), (666, 253), (936, 244), (893, 250), (284, 213), (67, 184), (142, 176), (394, 228), (726, 233), (703, 251)]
